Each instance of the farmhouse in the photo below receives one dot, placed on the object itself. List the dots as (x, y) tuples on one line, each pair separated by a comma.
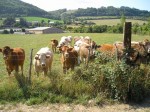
[(45, 30)]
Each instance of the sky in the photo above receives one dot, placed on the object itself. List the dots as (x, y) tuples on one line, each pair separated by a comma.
[(51, 5)]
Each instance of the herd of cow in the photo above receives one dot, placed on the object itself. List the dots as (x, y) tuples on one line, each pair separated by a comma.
[(73, 52)]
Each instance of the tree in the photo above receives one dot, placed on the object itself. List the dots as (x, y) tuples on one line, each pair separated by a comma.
[(23, 22), (11, 31), (123, 19), (10, 21)]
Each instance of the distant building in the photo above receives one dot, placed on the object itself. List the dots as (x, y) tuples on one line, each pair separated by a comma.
[(45, 30)]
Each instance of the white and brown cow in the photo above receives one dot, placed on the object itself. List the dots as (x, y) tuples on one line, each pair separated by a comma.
[(14, 57), (43, 60)]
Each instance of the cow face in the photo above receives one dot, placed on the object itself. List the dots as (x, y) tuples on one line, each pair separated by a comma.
[(147, 46), (42, 59), (65, 50), (54, 42), (6, 51)]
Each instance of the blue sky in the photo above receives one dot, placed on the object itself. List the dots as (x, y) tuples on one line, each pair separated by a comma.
[(50, 5)]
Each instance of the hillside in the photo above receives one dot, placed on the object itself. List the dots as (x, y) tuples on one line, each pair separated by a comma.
[(107, 12), (19, 8)]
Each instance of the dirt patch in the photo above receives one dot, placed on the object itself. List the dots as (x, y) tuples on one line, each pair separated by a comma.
[(144, 107)]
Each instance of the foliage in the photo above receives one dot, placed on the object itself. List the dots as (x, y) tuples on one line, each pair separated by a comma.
[(9, 22), (18, 8), (110, 11)]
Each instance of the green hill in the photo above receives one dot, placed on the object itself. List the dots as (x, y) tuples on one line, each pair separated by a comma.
[(18, 8)]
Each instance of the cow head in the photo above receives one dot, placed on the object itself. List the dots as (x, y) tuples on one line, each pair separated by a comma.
[(146, 44), (65, 50), (54, 42), (6, 51), (42, 59)]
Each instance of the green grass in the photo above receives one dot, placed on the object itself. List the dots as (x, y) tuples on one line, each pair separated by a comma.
[(51, 87), (111, 22), (35, 42), (39, 19)]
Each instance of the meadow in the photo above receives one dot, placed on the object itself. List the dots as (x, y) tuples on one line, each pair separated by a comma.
[(39, 19), (56, 87), (111, 22)]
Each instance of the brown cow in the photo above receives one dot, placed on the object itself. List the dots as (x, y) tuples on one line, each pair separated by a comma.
[(112, 50), (54, 44), (86, 53), (68, 58), (14, 57)]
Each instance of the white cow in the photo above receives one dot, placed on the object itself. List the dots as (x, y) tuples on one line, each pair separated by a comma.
[(65, 41), (43, 60)]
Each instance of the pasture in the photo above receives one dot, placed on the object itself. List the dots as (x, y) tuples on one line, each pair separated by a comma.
[(39, 19), (48, 88), (111, 22)]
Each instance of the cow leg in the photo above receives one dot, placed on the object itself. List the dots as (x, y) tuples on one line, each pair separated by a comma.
[(16, 69), (78, 60), (21, 69), (45, 72), (8, 70), (86, 61), (64, 70), (54, 49)]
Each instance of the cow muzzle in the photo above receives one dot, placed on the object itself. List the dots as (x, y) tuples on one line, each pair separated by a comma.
[(67, 55), (43, 64), (5, 57)]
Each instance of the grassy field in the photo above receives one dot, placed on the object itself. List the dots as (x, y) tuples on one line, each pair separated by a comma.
[(56, 87), (30, 19), (111, 22), (35, 42)]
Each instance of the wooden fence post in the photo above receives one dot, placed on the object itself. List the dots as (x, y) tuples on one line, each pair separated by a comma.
[(30, 68), (127, 35), (127, 42)]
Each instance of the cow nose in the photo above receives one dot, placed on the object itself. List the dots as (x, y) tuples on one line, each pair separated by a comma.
[(43, 64), (4, 57), (66, 55)]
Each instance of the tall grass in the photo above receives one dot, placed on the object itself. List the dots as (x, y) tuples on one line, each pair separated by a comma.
[(103, 80)]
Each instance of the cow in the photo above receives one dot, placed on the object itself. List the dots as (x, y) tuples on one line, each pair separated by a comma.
[(76, 38), (112, 50), (65, 41), (14, 57), (43, 60), (54, 44), (140, 52), (68, 58), (86, 53)]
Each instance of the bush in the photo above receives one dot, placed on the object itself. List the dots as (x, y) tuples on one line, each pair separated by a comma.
[(104, 79), (5, 32)]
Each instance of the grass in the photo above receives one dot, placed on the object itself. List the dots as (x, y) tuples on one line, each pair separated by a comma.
[(35, 42), (111, 22), (51, 87), (39, 19)]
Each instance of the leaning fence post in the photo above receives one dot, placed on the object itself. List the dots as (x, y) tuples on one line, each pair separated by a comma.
[(30, 67)]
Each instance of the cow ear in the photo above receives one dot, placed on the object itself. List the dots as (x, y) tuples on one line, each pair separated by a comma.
[(11, 50), (141, 43), (47, 56), (36, 57), (98, 46), (70, 49), (0, 50)]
